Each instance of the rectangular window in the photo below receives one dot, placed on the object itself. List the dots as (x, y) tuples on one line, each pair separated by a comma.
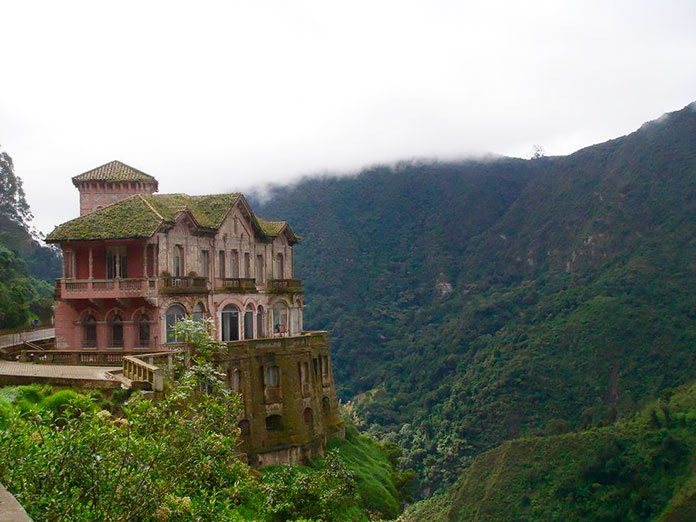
[(221, 264), (116, 263), (272, 376), (68, 264), (259, 269), (247, 265), (110, 265), (205, 262), (178, 261), (234, 264)]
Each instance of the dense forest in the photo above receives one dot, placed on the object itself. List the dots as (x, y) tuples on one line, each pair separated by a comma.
[(27, 267), (638, 469), (479, 301)]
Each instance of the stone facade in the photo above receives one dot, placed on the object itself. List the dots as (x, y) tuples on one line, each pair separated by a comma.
[(134, 268)]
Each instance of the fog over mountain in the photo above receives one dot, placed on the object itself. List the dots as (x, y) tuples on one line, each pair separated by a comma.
[(231, 96)]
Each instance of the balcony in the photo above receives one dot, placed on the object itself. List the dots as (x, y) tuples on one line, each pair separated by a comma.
[(284, 286), (235, 285), (183, 285), (104, 288)]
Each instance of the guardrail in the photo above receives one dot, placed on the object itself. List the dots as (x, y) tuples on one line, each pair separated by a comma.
[(96, 288), (240, 285), (144, 368), (15, 339), (278, 286), (183, 285), (77, 357)]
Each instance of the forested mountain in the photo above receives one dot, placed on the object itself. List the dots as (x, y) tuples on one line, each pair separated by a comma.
[(26, 266), (640, 469), (478, 301)]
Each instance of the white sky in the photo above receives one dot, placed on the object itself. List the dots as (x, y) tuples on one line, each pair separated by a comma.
[(217, 96)]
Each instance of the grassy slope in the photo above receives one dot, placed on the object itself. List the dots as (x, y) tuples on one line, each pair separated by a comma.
[(636, 470), (375, 475)]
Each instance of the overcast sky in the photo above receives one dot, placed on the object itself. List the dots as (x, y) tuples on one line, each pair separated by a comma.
[(220, 96)]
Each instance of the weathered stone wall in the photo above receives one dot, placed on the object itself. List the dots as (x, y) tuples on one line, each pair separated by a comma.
[(303, 405)]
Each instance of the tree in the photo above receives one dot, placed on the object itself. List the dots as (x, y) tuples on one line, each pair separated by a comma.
[(13, 202), (538, 152)]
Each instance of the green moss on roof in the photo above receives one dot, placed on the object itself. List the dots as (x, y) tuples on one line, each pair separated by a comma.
[(140, 216), (208, 211), (114, 171), (129, 218), (271, 228)]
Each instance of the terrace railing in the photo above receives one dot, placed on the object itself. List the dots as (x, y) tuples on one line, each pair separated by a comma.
[(280, 286), (237, 285), (183, 285)]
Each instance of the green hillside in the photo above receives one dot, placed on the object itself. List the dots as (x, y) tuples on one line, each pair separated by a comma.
[(641, 469), (475, 302), (26, 266)]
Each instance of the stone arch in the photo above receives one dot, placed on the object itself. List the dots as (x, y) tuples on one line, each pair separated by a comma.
[(261, 321), (116, 330), (308, 416), (89, 311), (230, 319), (274, 423), (108, 316), (175, 312), (135, 316), (281, 317), (244, 427), (326, 405), (248, 321), (144, 330), (198, 311), (89, 331)]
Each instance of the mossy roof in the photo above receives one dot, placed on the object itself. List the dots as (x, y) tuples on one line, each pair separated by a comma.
[(140, 216), (113, 171)]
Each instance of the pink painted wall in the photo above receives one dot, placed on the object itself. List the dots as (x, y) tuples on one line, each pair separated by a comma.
[(94, 194)]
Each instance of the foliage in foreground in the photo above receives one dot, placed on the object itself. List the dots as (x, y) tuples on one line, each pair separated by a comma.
[(642, 469), (65, 458)]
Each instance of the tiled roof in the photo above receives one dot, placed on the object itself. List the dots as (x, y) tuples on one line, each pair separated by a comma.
[(140, 216), (114, 171)]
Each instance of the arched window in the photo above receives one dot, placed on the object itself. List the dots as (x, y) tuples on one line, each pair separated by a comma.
[(244, 427), (175, 313), (230, 323), (249, 322), (89, 332), (307, 416), (117, 331), (272, 376), (260, 322), (144, 330), (279, 271), (325, 405), (280, 318), (198, 313), (274, 423)]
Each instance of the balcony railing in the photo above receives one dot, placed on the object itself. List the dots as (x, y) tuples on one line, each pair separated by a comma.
[(183, 285), (281, 286), (236, 285), (96, 288)]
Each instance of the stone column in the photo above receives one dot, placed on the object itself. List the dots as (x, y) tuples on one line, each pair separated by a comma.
[(91, 263)]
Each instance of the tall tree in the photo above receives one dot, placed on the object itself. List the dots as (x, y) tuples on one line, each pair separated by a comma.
[(13, 203)]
